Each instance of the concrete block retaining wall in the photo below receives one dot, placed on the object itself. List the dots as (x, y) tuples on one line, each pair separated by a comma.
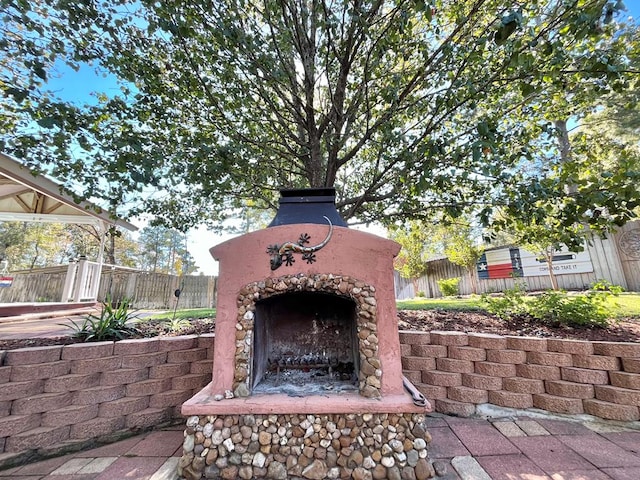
[(62, 395), (74, 394), (458, 371)]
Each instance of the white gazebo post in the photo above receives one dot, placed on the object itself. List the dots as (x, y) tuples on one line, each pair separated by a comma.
[(69, 282), (83, 277), (103, 230)]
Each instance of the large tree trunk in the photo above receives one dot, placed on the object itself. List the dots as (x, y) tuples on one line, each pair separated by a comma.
[(565, 149), (110, 253)]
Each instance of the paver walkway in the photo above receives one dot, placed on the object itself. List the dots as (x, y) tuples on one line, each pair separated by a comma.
[(532, 449), (52, 324), (150, 456), (461, 449)]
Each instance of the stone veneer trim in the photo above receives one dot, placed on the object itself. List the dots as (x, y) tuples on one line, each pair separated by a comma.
[(343, 286), (297, 446)]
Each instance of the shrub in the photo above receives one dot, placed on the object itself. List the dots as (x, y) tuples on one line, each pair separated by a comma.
[(606, 286), (176, 324), (421, 294), (558, 308), (110, 324), (449, 286), (553, 308), (510, 304)]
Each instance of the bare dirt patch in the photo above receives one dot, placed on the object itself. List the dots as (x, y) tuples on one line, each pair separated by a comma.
[(623, 330)]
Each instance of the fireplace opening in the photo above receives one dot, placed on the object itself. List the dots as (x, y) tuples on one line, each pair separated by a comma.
[(305, 343)]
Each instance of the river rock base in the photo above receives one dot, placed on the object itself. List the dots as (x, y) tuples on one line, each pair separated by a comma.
[(302, 446)]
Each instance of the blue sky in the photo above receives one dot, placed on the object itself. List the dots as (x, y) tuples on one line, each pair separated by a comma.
[(81, 86), (633, 8)]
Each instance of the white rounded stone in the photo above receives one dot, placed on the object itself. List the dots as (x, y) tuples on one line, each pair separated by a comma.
[(419, 444), (388, 461), (259, 460), (193, 421), (368, 462), (189, 443)]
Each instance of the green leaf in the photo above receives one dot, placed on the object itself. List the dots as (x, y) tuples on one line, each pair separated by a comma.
[(48, 122), (18, 94), (526, 89), (40, 72)]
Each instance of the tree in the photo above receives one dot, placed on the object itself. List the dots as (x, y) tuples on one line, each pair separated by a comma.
[(164, 250), (600, 162), (12, 234), (422, 241), (26, 245), (462, 248), (250, 218), (124, 249), (408, 108), (119, 247), (609, 137), (618, 114), (44, 245), (415, 238)]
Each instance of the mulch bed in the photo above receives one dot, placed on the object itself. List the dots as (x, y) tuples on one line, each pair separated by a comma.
[(623, 330), (146, 329)]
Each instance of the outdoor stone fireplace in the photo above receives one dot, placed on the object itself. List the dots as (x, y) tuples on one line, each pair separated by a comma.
[(307, 377)]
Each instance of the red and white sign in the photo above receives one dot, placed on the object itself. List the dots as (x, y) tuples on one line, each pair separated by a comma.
[(517, 262)]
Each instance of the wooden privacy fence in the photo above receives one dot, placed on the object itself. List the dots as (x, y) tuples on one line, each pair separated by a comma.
[(147, 290), (427, 285), (615, 259), (44, 286), (157, 290), (628, 243)]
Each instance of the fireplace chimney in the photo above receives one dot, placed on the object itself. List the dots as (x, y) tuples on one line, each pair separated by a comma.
[(307, 205)]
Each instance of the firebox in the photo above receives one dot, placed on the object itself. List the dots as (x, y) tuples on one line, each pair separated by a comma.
[(305, 343)]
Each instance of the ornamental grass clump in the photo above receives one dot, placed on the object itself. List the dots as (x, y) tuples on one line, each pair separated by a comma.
[(111, 324)]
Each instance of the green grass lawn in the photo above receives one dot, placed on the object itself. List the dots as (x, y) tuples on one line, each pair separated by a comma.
[(624, 305), (448, 303), (186, 314)]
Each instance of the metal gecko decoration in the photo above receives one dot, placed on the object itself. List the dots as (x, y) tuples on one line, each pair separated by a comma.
[(283, 253)]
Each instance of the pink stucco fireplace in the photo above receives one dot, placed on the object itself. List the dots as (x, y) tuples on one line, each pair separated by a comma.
[(306, 342)]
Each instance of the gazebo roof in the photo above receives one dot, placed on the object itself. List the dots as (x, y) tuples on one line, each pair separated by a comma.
[(34, 198)]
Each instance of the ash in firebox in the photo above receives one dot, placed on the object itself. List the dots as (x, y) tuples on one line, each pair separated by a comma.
[(303, 382)]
